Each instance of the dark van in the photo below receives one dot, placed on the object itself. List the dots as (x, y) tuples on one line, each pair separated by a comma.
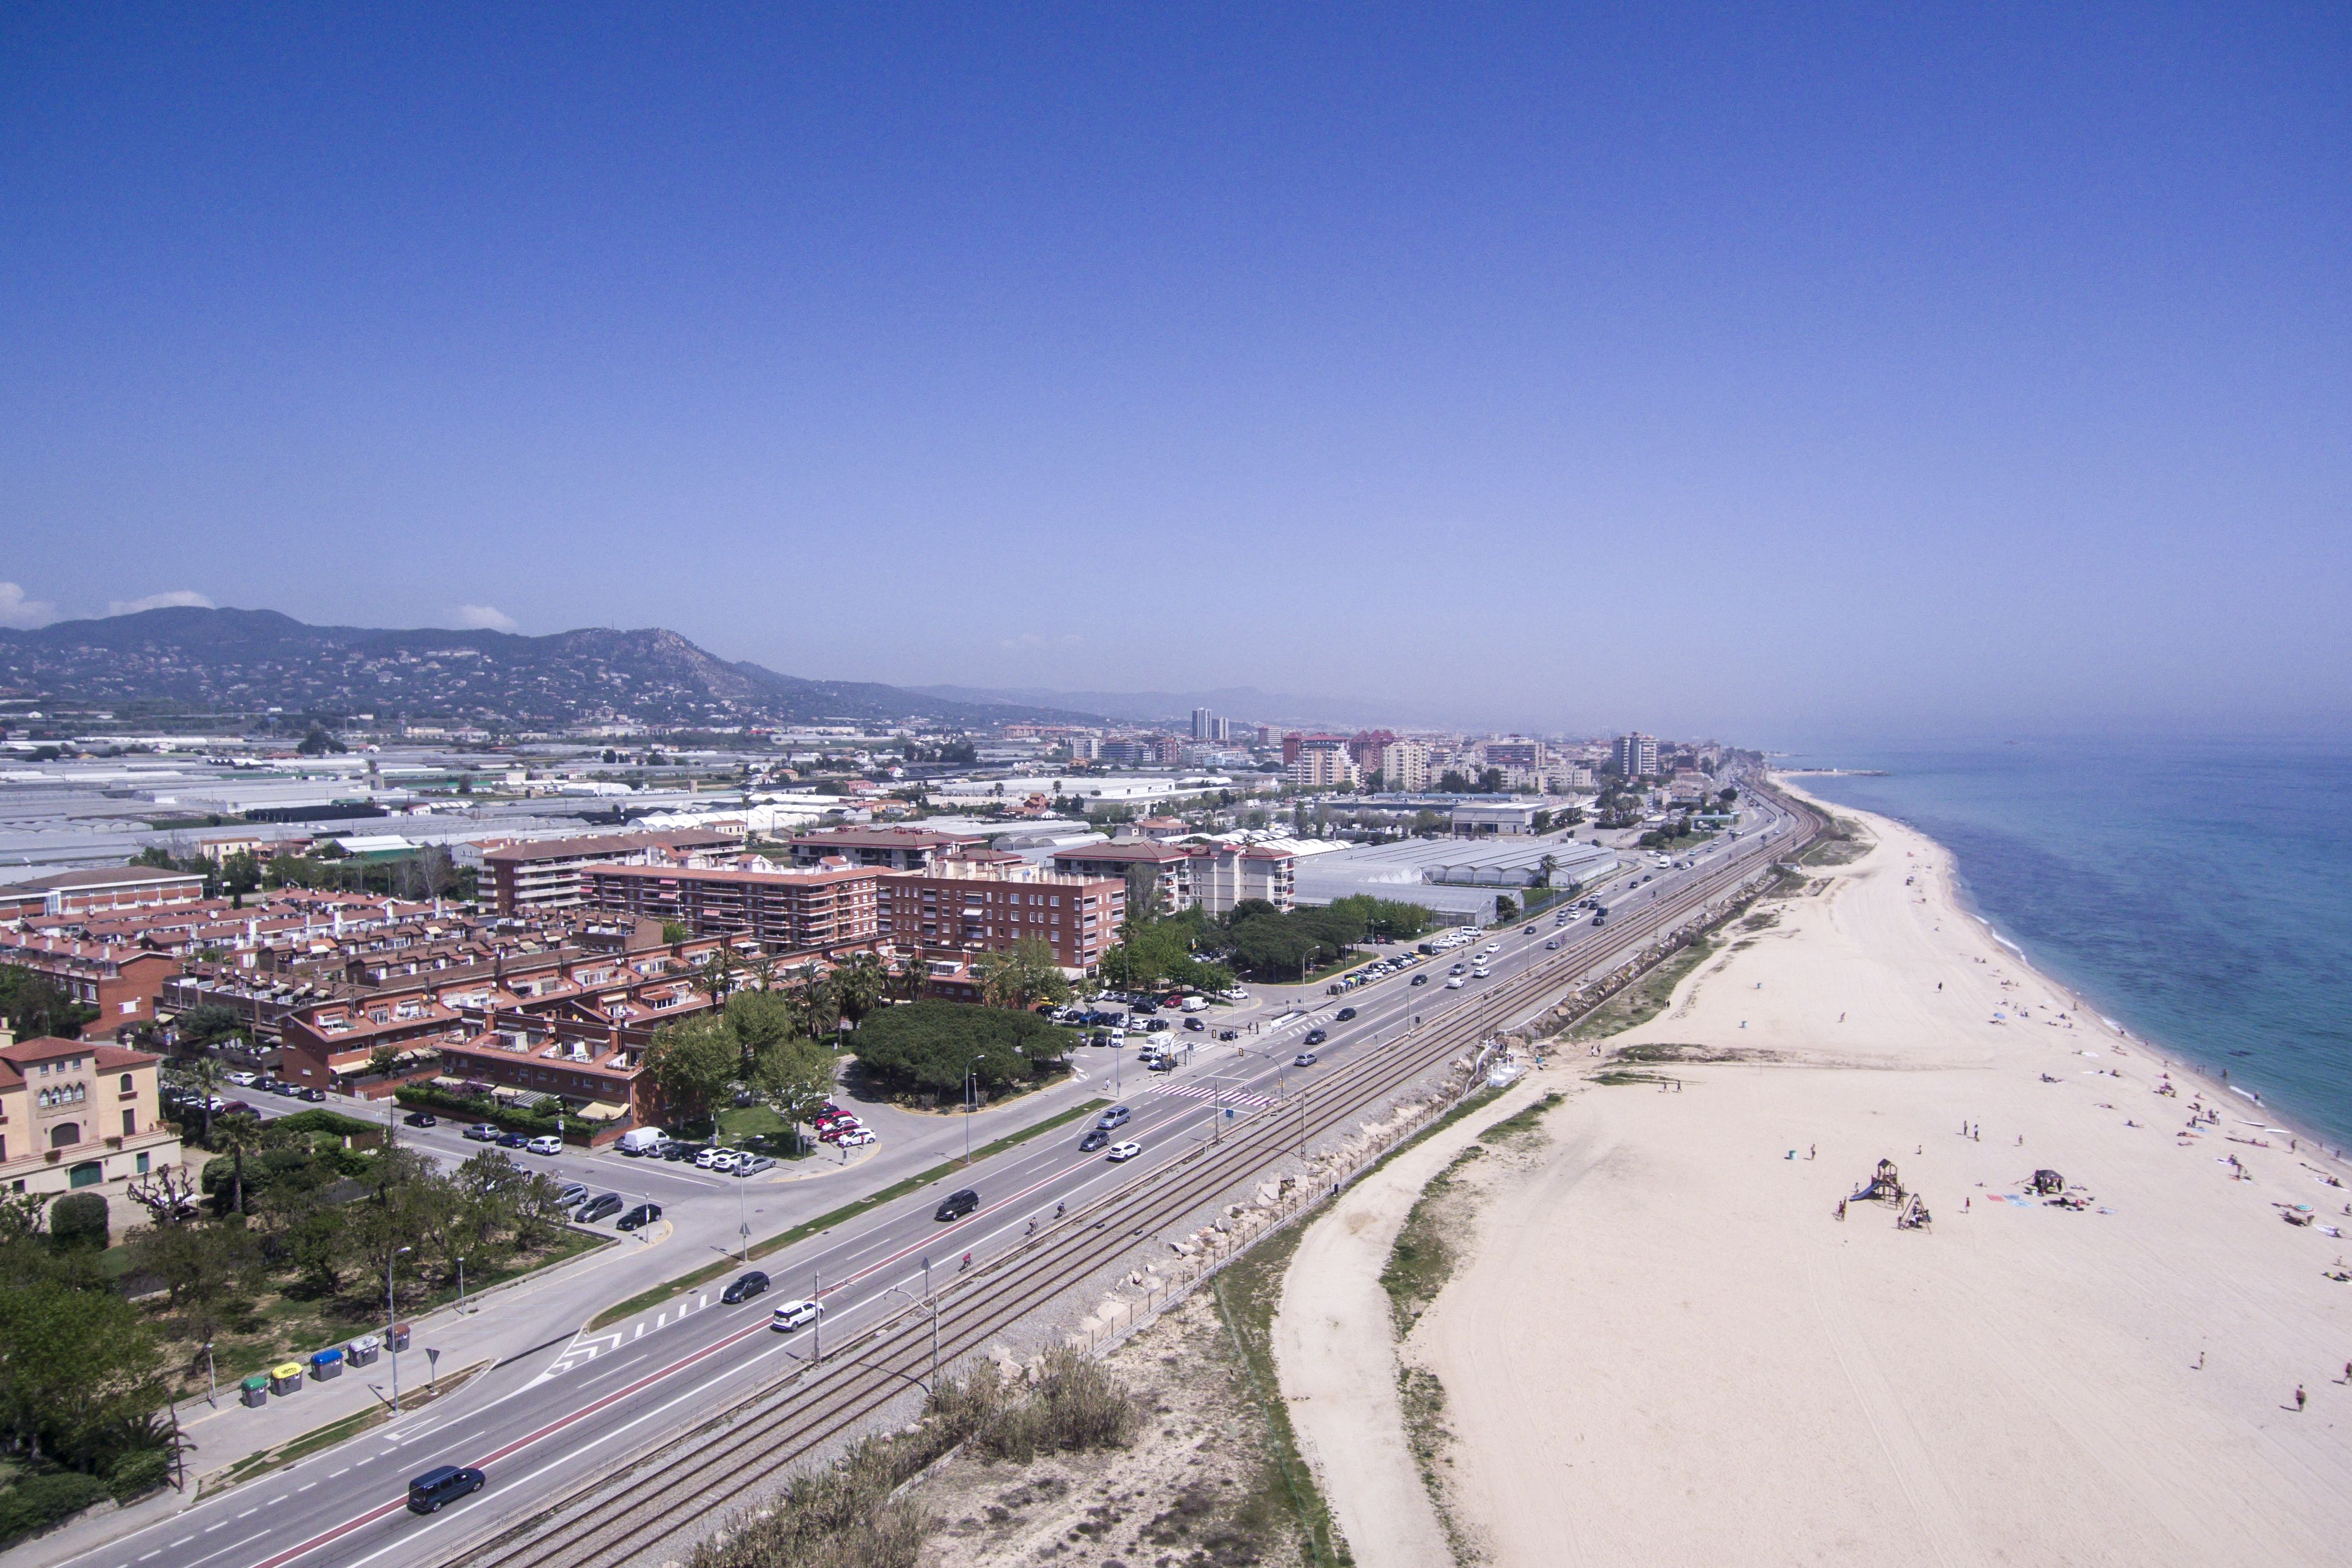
[(958, 1205), (443, 1483)]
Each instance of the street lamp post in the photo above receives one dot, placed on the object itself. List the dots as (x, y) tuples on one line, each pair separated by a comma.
[(392, 1324)]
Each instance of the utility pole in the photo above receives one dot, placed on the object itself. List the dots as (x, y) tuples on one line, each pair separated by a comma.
[(392, 1324), (934, 1322), (817, 1300)]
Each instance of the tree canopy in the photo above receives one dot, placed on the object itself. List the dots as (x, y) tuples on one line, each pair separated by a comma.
[(925, 1047)]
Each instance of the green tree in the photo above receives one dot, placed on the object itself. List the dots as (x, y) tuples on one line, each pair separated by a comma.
[(77, 1223), (1023, 975), (36, 1007), (927, 1046), (859, 986), (692, 1062), (760, 1019), (237, 1136), (73, 1364), (795, 1078), (716, 974)]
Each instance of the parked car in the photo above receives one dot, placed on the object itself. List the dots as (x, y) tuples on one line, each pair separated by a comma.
[(857, 1138), (513, 1141), (1120, 1152), (637, 1218), (752, 1165), (1304, 1058), (314, 1095), (1317, 1037), (242, 1079), (707, 1156), (793, 1315), (1343, 1015), (443, 1484), (571, 1192), (1116, 1116), (597, 1207), (744, 1287), (957, 1204), (676, 1152), (422, 1119), (1095, 1139), (545, 1143)]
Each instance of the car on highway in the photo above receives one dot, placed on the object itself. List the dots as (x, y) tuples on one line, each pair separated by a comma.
[(1459, 969), (1116, 1116), (637, 1218), (743, 1287), (422, 1119), (483, 1133), (1343, 1015), (1122, 1152), (597, 1207), (1095, 1139), (443, 1484), (957, 1204), (1552, 946), (794, 1315), (1420, 979), (1454, 983), (545, 1143), (1317, 1037), (1304, 1058)]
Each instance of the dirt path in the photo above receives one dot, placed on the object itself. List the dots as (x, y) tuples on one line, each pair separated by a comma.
[(1337, 1354)]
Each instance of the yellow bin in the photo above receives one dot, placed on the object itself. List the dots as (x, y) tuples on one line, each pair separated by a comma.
[(286, 1378)]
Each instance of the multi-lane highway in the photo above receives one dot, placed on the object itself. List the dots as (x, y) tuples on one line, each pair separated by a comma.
[(546, 1428)]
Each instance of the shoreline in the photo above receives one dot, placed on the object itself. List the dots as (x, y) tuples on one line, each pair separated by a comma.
[(2214, 1081)]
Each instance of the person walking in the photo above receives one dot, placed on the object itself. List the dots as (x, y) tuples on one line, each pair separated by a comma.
[(2299, 1396)]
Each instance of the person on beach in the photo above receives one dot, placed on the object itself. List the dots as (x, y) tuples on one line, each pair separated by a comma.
[(1841, 1209), (2299, 1396)]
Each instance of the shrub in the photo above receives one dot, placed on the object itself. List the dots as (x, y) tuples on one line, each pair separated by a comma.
[(138, 1473), (77, 1221), (39, 1501)]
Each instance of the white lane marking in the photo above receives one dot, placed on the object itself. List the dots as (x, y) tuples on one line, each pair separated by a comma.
[(337, 1475), (144, 1555), (229, 1548), (306, 1486), (249, 1512)]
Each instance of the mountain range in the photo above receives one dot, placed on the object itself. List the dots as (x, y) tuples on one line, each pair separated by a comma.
[(243, 663), (1240, 704)]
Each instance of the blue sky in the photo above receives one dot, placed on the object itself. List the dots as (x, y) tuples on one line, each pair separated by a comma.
[(1796, 372)]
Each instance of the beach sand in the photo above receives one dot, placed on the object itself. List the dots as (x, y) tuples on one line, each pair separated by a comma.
[(1668, 1348)]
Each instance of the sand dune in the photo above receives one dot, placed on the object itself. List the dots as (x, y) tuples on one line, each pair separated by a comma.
[(1668, 1350)]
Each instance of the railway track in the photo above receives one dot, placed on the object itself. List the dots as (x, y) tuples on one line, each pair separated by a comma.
[(722, 1462)]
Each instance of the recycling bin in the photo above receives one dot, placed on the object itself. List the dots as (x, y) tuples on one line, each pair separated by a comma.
[(399, 1336), (254, 1391), (363, 1350), (326, 1363), (286, 1378)]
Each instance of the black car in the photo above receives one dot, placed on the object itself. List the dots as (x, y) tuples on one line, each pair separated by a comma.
[(1195, 1024), (1229, 1034), (596, 1208), (1315, 1037), (1343, 1015), (1420, 979), (512, 1141), (1146, 1005), (314, 1095), (676, 1152), (1095, 1139), (744, 1287), (957, 1205), (422, 1119), (645, 1214), (443, 1483)]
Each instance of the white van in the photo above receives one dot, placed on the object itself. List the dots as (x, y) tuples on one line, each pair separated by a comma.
[(641, 1140), (1195, 1004)]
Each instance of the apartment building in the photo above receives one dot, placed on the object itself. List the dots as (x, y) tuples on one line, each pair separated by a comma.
[(989, 909), (1170, 866), (121, 980), (1635, 756), (1322, 766), (1515, 751), (97, 890), (77, 1113), (883, 849), (1404, 767), (1223, 875), (782, 911), (529, 878)]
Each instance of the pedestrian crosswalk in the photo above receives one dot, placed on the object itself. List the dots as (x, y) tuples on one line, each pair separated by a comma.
[(1245, 1097)]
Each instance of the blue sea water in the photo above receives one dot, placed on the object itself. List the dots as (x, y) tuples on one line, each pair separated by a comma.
[(2198, 893)]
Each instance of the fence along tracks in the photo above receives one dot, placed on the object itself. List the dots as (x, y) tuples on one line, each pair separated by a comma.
[(688, 1479)]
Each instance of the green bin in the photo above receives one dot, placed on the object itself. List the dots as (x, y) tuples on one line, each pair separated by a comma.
[(255, 1390)]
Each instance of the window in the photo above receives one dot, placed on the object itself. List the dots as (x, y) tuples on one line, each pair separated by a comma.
[(130, 1123), (65, 1134), (142, 1165), (89, 1173), (129, 1008), (128, 1087)]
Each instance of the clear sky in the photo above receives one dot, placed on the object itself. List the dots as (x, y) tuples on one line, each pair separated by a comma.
[(1779, 372)]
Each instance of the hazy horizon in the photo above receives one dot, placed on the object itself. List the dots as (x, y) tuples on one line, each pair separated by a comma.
[(1861, 374)]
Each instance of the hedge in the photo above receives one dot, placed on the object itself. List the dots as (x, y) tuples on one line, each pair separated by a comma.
[(139, 1472), (39, 1501), (482, 1108), (79, 1220)]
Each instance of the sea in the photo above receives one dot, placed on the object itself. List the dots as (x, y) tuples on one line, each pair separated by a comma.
[(2197, 892)]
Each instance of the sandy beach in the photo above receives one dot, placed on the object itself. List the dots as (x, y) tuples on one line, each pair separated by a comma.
[(1667, 1346)]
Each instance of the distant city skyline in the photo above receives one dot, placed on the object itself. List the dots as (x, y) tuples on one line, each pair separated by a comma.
[(1855, 374)]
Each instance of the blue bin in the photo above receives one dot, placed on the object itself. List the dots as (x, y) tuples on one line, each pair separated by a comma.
[(326, 1363)]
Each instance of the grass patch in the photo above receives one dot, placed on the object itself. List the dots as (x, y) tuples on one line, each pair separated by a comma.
[(1420, 1399), (1841, 842), (1617, 1078), (822, 1222), (1427, 1247), (1523, 1124), (1248, 1292), (1647, 996)]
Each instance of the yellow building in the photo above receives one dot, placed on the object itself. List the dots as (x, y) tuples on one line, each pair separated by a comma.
[(77, 1113)]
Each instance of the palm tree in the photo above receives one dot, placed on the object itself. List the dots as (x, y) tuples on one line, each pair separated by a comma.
[(860, 985), (237, 1136), (717, 973), (205, 1072), (764, 970)]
